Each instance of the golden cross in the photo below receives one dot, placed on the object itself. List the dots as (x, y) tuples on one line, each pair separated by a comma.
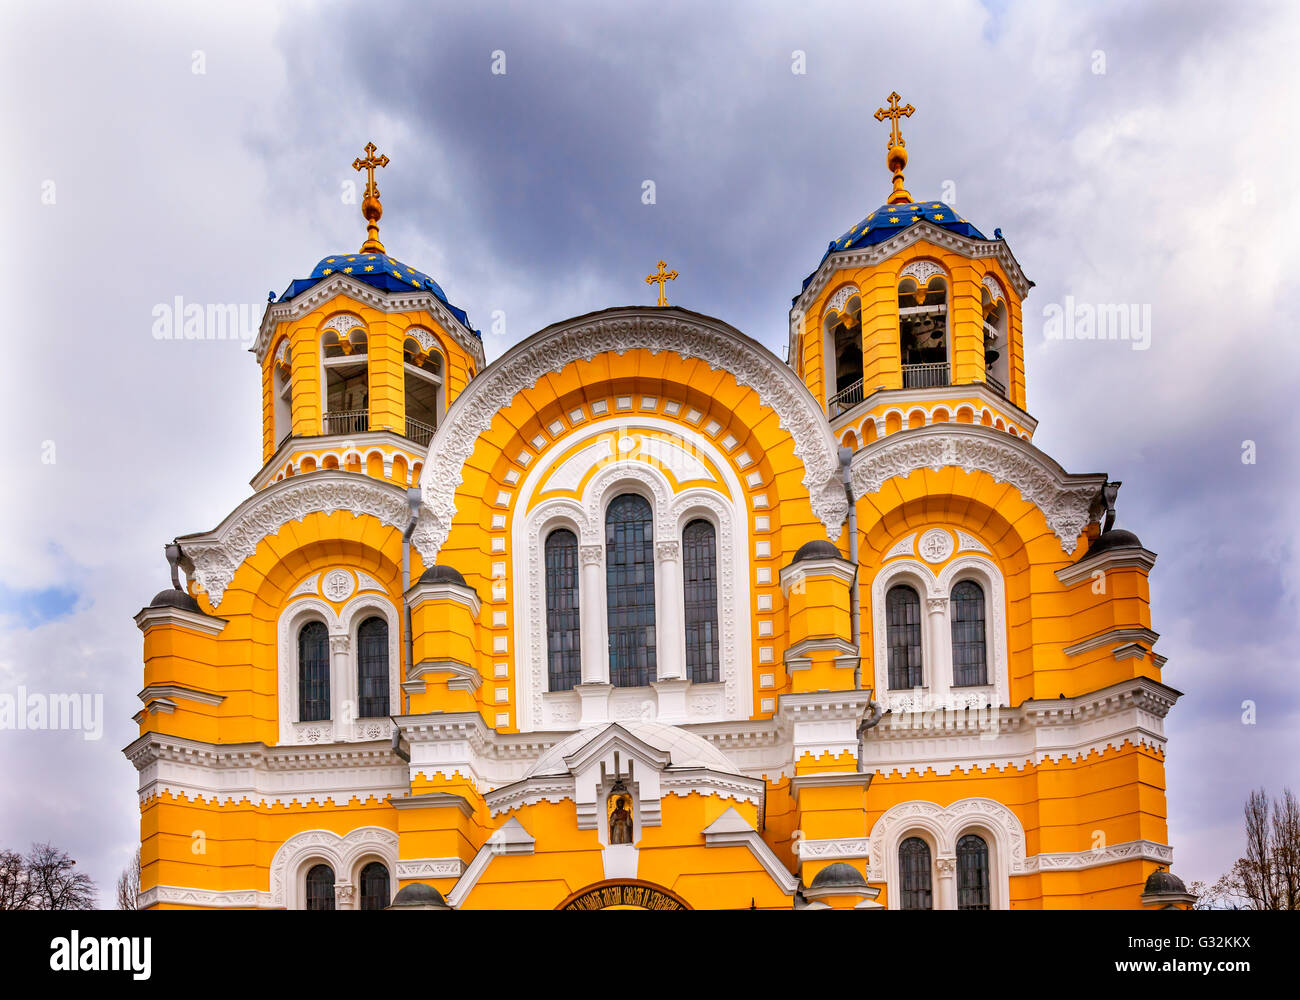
[(368, 165), (659, 277), (893, 114)]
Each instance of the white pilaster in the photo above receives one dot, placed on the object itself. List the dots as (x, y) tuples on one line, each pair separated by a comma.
[(595, 658)]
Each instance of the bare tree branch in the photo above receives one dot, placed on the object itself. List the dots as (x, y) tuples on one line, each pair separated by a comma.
[(128, 884)]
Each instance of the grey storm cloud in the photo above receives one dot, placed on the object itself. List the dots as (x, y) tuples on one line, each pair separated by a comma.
[(1164, 181)]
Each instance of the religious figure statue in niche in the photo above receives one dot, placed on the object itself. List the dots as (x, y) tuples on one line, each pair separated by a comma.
[(620, 823)]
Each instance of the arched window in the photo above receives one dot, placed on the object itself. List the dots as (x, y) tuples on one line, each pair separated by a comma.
[(346, 382), (422, 371), (923, 332), (282, 401), (903, 632), (844, 337), (374, 887), (630, 590), (972, 873), (320, 888), (372, 668), (563, 640), (969, 657), (700, 578), (914, 874), (313, 673)]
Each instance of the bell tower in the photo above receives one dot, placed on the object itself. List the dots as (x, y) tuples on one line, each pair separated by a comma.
[(360, 361), (911, 307)]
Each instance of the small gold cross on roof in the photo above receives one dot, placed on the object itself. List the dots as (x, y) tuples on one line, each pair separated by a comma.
[(660, 277), (893, 114), (370, 205)]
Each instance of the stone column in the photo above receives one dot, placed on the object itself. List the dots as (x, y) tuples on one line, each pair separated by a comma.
[(938, 661), (670, 615), (343, 704), (945, 893), (344, 896), (595, 658)]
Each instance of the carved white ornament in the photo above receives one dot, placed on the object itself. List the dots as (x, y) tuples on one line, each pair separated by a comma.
[(618, 332), (216, 555), (922, 271), (308, 586), (995, 289), (1068, 502), (935, 546), (903, 547), (338, 585), (341, 323), (969, 543), (839, 299), (282, 352), (345, 855), (422, 337), (572, 469)]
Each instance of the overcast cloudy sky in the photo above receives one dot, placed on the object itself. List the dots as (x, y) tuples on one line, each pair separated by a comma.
[(1136, 153)]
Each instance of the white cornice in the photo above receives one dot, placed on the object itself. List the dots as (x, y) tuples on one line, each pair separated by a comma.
[(1068, 501), (463, 676), (829, 779), (839, 568), (153, 691), (385, 302), (148, 618), (1117, 558), (317, 444), (220, 899), (905, 399), (465, 595), (1111, 637)]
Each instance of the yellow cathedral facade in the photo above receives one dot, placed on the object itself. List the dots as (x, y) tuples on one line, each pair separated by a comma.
[(640, 615)]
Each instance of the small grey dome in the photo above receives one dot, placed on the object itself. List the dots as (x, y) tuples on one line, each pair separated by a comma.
[(442, 574), (173, 598), (838, 875), (419, 894), (1116, 539), (816, 549), (1163, 881)]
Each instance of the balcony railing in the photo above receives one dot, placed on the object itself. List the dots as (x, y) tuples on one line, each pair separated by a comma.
[(420, 433), (347, 422), (925, 376), (996, 386), (844, 400)]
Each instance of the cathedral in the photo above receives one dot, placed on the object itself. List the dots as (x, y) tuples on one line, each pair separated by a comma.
[(639, 615)]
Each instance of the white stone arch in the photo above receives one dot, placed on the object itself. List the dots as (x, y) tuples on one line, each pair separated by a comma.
[(617, 331), (297, 614), (344, 855), (1000, 827), (586, 515), (936, 641)]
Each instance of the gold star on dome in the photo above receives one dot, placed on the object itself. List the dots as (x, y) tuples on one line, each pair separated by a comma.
[(370, 267), (916, 218), (938, 218), (329, 260), (935, 205), (893, 218), (328, 270), (347, 270)]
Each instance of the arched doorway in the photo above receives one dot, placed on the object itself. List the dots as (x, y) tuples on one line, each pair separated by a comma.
[(624, 894)]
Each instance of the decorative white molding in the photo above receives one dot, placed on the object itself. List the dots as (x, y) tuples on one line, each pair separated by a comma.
[(338, 585), (1112, 637), (427, 341), (835, 849), (903, 547), (838, 300), (509, 838), (1068, 502), (732, 830), (935, 545), (969, 543), (216, 555), (1117, 558), (147, 618), (152, 691), (415, 868), (346, 855), (994, 286), (618, 331), (569, 474), (219, 899), (343, 323), (921, 271)]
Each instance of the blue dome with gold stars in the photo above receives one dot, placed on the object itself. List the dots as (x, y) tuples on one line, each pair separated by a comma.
[(890, 220), (378, 271)]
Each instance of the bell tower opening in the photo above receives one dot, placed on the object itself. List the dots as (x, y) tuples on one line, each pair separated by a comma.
[(282, 398), (923, 332), (843, 335), (997, 349), (346, 382), (422, 374)]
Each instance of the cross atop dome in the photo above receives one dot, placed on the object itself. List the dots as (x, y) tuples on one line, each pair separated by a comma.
[(896, 158), (370, 205)]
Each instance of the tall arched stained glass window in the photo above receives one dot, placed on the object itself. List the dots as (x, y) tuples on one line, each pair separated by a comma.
[(969, 660), (563, 642), (372, 668), (630, 590), (914, 873), (903, 633), (700, 577), (972, 873), (320, 888), (374, 887), (313, 673)]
